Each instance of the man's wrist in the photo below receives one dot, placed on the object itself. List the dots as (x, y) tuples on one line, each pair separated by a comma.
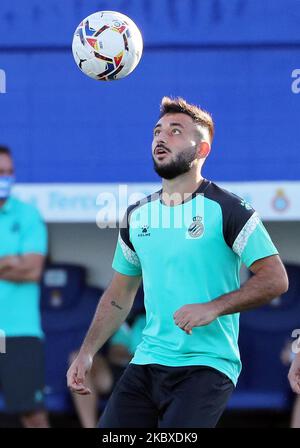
[(219, 306), (86, 352)]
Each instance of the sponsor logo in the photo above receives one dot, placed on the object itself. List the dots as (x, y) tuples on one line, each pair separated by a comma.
[(145, 232)]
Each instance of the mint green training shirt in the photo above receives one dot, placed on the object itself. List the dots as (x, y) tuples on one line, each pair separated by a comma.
[(22, 231), (190, 253)]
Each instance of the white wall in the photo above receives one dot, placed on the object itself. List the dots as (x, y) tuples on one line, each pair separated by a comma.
[(88, 245), (286, 236), (84, 244)]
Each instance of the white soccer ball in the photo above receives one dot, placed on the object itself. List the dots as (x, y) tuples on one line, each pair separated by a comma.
[(107, 45)]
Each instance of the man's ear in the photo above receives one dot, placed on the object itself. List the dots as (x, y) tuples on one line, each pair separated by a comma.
[(203, 150)]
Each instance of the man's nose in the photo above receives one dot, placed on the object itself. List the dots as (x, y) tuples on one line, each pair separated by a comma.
[(162, 138)]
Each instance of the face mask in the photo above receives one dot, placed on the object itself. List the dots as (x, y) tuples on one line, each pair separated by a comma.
[(6, 183)]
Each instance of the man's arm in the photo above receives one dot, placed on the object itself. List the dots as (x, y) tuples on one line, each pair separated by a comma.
[(112, 310), (24, 268), (269, 281)]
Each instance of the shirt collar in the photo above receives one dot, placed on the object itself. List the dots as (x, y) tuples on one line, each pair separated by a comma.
[(202, 187)]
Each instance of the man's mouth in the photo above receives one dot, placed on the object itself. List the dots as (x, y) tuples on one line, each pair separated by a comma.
[(160, 150)]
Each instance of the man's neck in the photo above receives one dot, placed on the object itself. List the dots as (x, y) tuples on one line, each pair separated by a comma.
[(175, 191)]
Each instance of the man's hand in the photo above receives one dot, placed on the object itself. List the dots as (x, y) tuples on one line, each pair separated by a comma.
[(294, 375), (23, 268), (9, 262), (77, 373), (195, 315)]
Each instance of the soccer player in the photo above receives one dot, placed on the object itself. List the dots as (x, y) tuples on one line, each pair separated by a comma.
[(187, 242)]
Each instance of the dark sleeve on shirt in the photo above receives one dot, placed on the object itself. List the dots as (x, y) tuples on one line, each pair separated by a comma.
[(124, 228), (235, 211)]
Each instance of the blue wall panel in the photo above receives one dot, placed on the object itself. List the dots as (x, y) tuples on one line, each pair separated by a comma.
[(52, 22)]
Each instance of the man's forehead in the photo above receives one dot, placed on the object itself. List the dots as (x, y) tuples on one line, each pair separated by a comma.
[(174, 119)]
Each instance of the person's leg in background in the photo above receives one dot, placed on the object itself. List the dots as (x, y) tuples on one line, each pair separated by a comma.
[(108, 366), (100, 383), (35, 419), (295, 417), (131, 403), (287, 356), (22, 377)]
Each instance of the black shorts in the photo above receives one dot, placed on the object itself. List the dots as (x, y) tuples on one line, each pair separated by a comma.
[(22, 374), (156, 396)]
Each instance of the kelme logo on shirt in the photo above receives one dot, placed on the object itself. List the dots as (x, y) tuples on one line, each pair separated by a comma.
[(145, 232), (196, 229)]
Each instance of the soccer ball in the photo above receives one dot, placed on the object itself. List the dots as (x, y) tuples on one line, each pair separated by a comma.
[(107, 45)]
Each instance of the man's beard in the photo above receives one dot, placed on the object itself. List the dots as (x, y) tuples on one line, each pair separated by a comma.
[(182, 164)]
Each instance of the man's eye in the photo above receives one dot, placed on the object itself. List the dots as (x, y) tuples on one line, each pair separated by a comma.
[(176, 131), (156, 132)]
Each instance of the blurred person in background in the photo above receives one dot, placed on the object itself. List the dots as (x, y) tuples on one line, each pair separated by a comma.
[(23, 246), (288, 356)]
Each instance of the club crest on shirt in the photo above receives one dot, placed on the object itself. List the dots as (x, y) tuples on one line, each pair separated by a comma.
[(196, 228)]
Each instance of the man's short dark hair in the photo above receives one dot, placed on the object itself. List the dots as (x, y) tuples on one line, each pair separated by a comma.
[(179, 105), (5, 150)]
